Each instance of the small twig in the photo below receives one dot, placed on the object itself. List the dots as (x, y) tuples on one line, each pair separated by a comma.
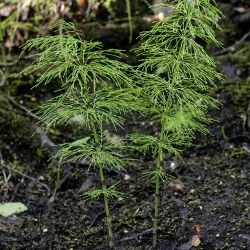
[(29, 177), (5, 184), (17, 187), (45, 140), (137, 236), (23, 108), (5, 177), (3, 79), (223, 51), (40, 131), (1, 158)]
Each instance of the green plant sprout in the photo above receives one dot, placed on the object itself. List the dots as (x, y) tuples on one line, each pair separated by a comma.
[(178, 78), (96, 90)]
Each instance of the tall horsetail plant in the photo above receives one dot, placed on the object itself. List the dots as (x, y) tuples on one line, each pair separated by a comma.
[(179, 75), (96, 90)]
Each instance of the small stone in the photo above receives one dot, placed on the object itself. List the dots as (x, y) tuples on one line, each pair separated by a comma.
[(161, 15), (134, 199), (172, 165), (196, 241), (41, 178), (127, 177), (45, 230)]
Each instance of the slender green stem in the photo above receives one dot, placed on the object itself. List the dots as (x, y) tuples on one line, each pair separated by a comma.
[(157, 191), (58, 174), (156, 202), (188, 72), (159, 162), (104, 189), (106, 205), (130, 21)]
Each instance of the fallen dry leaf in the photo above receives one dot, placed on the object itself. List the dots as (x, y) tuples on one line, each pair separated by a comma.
[(7, 10), (196, 241), (178, 184), (198, 228), (240, 9)]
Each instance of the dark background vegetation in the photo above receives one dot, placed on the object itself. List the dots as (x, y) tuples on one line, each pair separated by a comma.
[(209, 197)]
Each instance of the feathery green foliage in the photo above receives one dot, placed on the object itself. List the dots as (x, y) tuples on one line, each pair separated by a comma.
[(76, 62), (179, 75), (83, 150), (96, 89), (110, 192)]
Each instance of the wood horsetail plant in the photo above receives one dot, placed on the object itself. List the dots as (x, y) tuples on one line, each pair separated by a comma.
[(178, 77), (96, 90)]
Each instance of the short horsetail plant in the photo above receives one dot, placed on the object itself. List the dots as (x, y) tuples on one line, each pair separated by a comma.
[(96, 90), (179, 75)]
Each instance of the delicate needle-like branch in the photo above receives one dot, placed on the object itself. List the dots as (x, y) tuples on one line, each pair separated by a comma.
[(232, 47), (104, 188)]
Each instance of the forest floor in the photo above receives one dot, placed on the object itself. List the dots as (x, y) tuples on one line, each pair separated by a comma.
[(208, 199), (209, 196)]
